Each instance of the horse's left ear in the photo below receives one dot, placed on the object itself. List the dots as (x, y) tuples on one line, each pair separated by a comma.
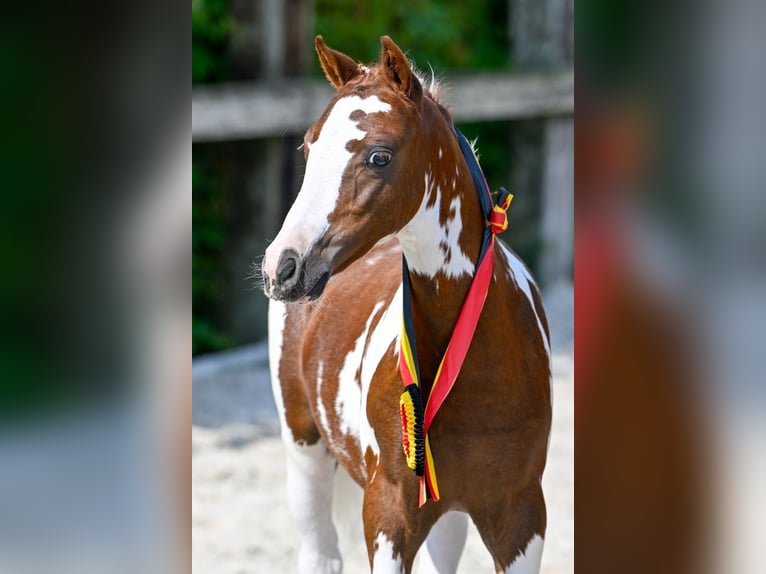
[(398, 71)]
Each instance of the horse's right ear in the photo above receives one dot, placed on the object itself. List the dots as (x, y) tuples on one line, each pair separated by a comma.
[(338, 67)]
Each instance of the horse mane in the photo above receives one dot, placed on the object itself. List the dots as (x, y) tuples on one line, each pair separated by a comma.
[(434, 88), (431, 84)]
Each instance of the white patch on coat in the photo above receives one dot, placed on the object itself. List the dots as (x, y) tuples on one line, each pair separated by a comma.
[(307, 219), (384, 334), (356, 376), (351, 400), (422, 239), (374, 473), (522, 278), (348, 402), (277, 314), (385, 560), (528, 562), (321, 410), (518, 272)]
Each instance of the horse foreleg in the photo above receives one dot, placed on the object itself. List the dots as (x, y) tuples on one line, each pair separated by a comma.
[(393, 529), (310, 467), (513, 531), (310, 478)]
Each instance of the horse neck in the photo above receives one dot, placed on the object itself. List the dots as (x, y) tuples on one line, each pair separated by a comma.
[(442, 242)]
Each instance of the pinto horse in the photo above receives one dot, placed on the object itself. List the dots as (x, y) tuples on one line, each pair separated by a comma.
[(386, 180)]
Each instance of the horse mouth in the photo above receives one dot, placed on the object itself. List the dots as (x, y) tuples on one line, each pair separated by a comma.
[(315, 291), (306, 280)]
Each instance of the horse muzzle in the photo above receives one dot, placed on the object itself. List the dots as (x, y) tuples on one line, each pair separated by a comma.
[(295, 277)]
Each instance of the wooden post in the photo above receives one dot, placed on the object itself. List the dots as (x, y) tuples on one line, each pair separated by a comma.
[(541, 32), (298, 48), (556, 263), (271, 42), (254, 176)]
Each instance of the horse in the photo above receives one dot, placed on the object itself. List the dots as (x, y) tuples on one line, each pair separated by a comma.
[(388, 182)]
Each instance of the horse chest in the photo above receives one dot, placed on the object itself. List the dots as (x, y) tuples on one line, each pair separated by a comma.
[(350, 372)]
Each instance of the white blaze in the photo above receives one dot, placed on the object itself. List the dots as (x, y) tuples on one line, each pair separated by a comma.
[(327, 162)]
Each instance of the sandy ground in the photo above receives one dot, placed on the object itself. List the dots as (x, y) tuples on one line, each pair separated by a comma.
[(239, 502)]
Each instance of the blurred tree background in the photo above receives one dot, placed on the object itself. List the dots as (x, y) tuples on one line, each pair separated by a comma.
[(231, 205)]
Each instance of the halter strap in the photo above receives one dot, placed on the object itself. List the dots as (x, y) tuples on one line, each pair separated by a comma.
[(460, 340)]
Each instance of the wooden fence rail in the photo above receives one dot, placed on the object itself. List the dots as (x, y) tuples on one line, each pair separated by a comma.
[(262, 110)]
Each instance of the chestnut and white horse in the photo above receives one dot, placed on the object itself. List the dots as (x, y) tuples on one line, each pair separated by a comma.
[(386, 178)]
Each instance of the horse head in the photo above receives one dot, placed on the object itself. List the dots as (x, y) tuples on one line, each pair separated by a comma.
[(363, 180)]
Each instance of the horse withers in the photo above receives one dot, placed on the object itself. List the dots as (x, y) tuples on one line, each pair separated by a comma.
[(388, 180)]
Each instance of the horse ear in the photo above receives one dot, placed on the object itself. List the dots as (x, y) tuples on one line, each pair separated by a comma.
[(338, 67), (398, 71)]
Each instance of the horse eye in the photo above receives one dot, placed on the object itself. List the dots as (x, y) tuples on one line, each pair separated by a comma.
[(379, 158)]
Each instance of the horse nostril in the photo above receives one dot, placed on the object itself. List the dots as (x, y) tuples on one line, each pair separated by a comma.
[(287, 270)]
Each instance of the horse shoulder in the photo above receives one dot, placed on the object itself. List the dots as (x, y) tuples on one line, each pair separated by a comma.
[(348, 344), (513, 279)]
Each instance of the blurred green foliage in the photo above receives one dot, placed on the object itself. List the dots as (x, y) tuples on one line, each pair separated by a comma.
[(457, 35), (461, 35), (209, 224), (449, 37), (211, 25)]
